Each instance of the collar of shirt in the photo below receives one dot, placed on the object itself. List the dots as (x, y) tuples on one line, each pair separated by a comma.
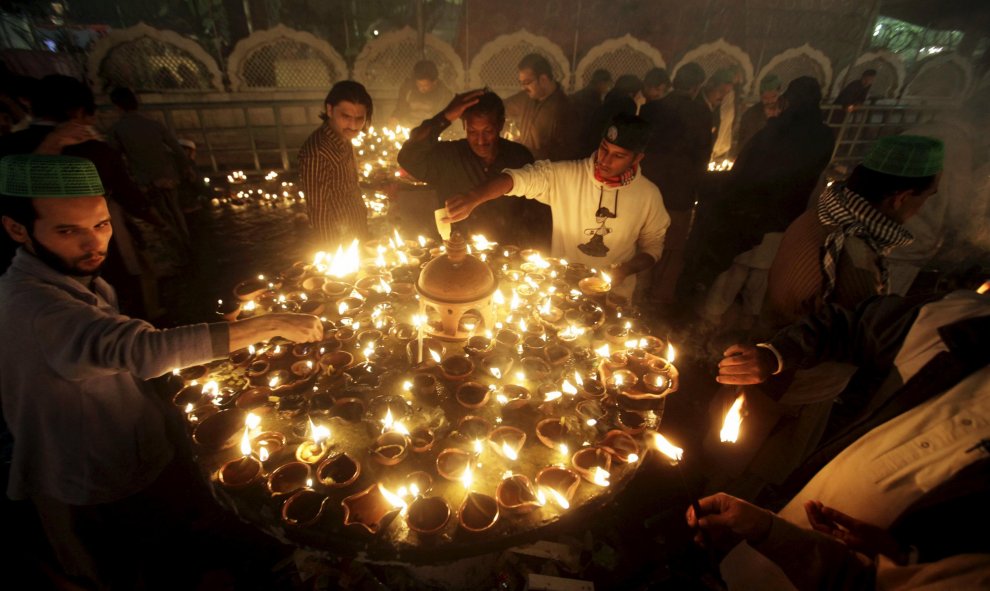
[(27, 263)]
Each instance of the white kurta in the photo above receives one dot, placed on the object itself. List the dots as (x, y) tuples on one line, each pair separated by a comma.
[(574, 195), (883, 472)]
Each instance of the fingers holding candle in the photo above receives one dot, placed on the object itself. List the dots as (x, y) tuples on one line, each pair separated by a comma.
[(725, 517)]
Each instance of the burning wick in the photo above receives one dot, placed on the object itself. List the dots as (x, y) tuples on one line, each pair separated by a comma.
[(732, 422)]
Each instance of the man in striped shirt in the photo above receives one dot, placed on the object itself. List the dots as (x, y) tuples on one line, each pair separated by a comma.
[(328, 171)]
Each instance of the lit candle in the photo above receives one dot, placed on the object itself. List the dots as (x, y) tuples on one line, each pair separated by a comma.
[(732, 422)]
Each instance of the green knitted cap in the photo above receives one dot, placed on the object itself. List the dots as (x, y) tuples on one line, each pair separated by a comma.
[(43, 177), (771, 82), (911, 156)]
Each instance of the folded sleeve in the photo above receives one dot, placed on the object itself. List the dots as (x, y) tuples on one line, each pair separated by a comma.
[(533, 181)]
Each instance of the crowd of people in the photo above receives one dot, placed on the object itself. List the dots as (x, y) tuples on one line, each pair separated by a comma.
[(613, 176)]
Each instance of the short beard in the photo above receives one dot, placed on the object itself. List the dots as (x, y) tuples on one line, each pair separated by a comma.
[(58, 263)]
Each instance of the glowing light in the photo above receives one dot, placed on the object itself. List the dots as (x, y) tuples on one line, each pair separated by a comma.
[(600, 476), (387, 421), (393, 499), (578, 379), (553, 395), (252, 421), (568, 388), (263, 453), (273, 382), (246, 443), (603, 351), (498, 298), (671, 353), (467, 478), (509, 452), (732, 422), (435, 355), (667, 448)]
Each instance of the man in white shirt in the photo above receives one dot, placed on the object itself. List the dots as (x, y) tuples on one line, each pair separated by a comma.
[(605, 214)]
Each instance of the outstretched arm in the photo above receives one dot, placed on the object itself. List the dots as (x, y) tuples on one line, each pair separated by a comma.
[(459, 207)]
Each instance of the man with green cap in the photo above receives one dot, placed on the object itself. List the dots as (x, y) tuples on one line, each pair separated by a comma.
[(833, 254), (605, 213), (91, 448), (755, 117)]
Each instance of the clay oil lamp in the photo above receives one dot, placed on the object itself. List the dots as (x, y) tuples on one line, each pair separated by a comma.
[(348, 409), (535, 368), (344, 335), (479, 346), (313, 284), (424, 387), (428, 515), (526, 290), (513, 397), (592, 316), (336, 362), (552, 433), (277, 352), (472, 395), (637, 359), (507, 441), (589, 388), (433, 352), (390, 448), (515, 495), (374, 285), (338, 471), (478, 512), (303, 508), (473, 428), (507, 340), (616, 360), (192, 394), (421, 440), (321, 402), (243, 471), (302, 370), (620, 381), (349, 305), (312, 452), (303, 350), (549, 313), (570, 333), (470, 321), (666, 369), (593, 464), (250, 289), (335, 290), (590, 411), (637, 399), (561, 481), (220, 431), (596, 288), (621, 446), (369, 338), (288, 478), (402, 332), (268, 444), (370, 507), (257, 371), (534, 346), (242, 357), (457, 368), (497, 365), (280, 380), (452, 463), (403, 290), (294, 274), (291, 405), (618, 334), (557, 354)]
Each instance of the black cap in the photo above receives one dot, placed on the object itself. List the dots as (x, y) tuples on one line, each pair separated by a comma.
[(628, 131)]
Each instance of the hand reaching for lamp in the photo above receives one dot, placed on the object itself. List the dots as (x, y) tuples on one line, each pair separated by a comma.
[(729, 520), (745, 365), (459, 207), (860, 536)]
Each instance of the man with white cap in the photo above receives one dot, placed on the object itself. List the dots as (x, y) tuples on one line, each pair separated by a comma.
[(91, 449), (605, 213)]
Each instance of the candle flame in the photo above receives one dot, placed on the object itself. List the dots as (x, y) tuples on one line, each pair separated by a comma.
[(553, 395), (252, 421), (606, 279), (398, 427), (211, 389), (515, 302), (564, 449), (398, 239), (435, 355), (478, 448), (591, 422), (393, 499), (603, 351), (578, 379), (631, 344), (467, 478), (558, 498), (508, 451), (342, 263), (667, 448), (263, 453), (387, 421), (983, 288), (250, 306), (732, 422), (189, 408), (545, 307), (251, 350), (568, 388), (522, 326), (480, 242), (422, 241), (342, 308), (273, 382), (633, 458), (501, 399), (414, 489), (383, 287), (600, 476), (246, 443), (671, 353)]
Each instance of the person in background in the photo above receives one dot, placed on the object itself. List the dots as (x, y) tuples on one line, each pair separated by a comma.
[(625, 97), (421, 96), (728, 108), (91, 447), (328, 171), (606, 214), (541, 112), (854, 94), (755, 117), (656, 84), (587, 100), (455, 167)]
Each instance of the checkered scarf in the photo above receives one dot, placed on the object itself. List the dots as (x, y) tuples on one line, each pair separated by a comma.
[(620, 181), (851, 215)]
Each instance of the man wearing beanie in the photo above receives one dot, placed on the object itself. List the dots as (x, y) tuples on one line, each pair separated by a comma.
[(91, 444), (605, 213), (755, 117)]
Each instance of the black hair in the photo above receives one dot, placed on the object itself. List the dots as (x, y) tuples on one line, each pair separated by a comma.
[(124, 99), (600, 76), (425, 70), (869, 72), (689, 76), (19, 209), (56, 97), (876, 186), (350, 91), (626, 85), (536, 62), (489, 104), (656, 77)]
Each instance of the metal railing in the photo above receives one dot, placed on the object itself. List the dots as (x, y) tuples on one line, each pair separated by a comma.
[(856, 131)]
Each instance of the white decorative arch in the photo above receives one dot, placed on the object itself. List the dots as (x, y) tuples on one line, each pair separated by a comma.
[(719, 54), (940, 78), (312, 76), (798, 61), (495, 63), (386, 62), (103, 48), (623, 55), (890, 73)]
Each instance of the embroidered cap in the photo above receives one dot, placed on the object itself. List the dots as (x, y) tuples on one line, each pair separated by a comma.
[(41, 177), (911, 156), (771, 82), (628, 131)]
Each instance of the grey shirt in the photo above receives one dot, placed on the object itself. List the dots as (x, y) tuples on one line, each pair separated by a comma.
[(86, 428)]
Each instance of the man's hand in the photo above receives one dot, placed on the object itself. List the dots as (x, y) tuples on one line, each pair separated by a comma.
[(459, 207), (298, 328), (730, 520), (617, 273), (745, 365), (860, 536), (66, 134), (461, 103)]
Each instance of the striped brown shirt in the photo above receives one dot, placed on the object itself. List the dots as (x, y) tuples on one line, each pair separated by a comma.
[(328, 174)]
